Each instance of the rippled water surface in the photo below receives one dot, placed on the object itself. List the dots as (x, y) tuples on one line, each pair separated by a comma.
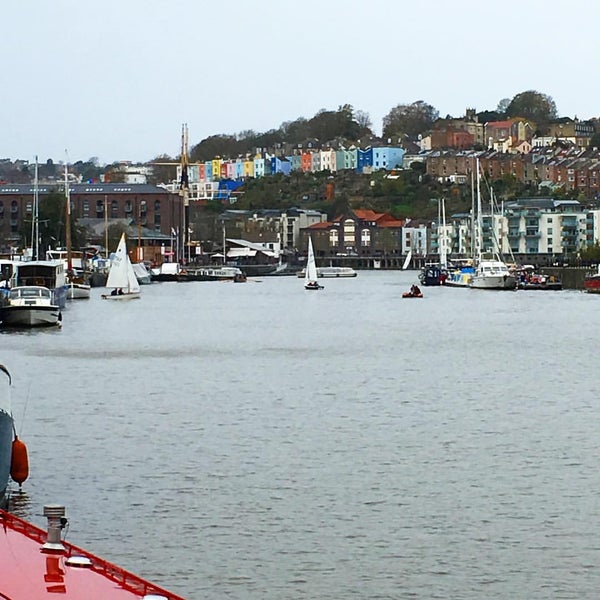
[(258, 441)]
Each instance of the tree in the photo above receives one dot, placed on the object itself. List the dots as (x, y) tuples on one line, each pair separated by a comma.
[(533, 105), (503, 105), (410, 119), (164, 170), (595, 140)]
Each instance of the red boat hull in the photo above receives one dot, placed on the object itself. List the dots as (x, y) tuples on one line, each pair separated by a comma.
[(592, 284)]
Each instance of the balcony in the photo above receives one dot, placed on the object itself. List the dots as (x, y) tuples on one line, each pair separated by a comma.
[(570, 221), (533, 233)]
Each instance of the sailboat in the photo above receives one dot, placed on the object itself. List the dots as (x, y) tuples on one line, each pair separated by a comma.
[(491, 272), (121, 277), (310, 275), (77, 288)]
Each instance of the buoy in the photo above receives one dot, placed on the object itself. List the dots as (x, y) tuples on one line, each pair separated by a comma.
[(19, 462)]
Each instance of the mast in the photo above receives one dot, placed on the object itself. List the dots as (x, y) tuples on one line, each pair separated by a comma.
[(473, 211), (106, 226), (68, 221), (479, 226), (443, 257), (184, 190), (139, 246), (35, 246)]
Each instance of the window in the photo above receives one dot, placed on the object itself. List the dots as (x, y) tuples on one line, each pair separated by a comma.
[(549, 230)]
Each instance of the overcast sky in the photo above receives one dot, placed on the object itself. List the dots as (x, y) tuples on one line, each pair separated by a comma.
[(116, 79)]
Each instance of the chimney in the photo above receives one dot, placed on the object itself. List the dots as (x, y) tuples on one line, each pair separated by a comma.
[(55, 513)]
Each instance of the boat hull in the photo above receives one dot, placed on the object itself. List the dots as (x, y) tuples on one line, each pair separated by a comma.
[(6, 437), (494, 282), (30, 316), (78, 291), (542, 286), (592, 284), (124, 296)]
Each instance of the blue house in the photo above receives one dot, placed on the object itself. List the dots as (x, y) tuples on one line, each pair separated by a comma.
[(364, 160), (387, 158)]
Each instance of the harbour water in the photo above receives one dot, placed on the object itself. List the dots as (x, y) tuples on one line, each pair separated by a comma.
[(257, 441)]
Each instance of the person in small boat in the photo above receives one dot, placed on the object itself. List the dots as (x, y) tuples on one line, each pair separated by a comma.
[(114, 292), (120, 291), (414, 290)]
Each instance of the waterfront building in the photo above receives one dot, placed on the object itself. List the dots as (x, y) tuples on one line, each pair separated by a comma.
[(153, 207), (356, 233)]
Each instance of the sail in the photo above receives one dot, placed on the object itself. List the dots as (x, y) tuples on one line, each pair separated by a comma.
[(311, 267), (407, 260), (133, 285), (121, 273)]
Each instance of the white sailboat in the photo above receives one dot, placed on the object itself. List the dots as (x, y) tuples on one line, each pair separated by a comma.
[(121, 277), (310, 276), (491, 272)]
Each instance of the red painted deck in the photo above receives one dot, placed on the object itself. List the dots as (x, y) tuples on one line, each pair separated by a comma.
[(27, 573)]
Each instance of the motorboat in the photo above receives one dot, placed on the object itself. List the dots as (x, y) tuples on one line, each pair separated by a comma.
[(491, 273), (591, 282), (50, 274), (331, 272), (30, 306), (210, 274)]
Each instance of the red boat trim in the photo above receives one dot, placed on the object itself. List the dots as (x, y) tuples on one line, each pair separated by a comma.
[(49, 582)]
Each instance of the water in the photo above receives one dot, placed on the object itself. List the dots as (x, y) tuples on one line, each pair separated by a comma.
[(257, 441)]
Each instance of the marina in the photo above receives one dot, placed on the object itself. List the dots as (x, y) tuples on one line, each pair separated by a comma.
[(230, 473)]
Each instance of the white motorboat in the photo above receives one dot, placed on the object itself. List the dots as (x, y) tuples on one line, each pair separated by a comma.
[(331, 272), (491, 273), (30, 306), (42, 273)]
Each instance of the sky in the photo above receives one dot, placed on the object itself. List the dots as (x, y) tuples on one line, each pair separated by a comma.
[(115, 80)]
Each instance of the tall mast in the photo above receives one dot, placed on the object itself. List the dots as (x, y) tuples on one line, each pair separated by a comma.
[(35, 245), (479, 224), (443, 256), (184, 190), (68, 221)]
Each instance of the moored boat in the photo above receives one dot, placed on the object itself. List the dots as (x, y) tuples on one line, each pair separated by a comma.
[(591, 282), (142, 274), (528, 279), (331, 272), (50, 274), (491, 273), (30, 306), (169, 271), (210, 274), (6, 435), (14, 463), (432, 275)]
